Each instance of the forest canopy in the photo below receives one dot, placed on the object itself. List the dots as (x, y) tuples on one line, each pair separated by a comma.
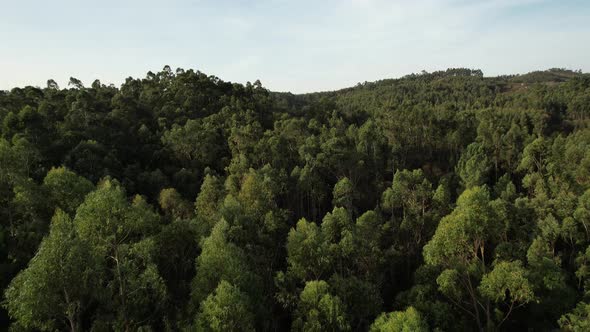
[(445, 201)]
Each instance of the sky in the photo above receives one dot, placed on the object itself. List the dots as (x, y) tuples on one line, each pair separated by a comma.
[(289, 45)]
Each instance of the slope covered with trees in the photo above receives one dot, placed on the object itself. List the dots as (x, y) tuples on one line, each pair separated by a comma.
[(438, 201)]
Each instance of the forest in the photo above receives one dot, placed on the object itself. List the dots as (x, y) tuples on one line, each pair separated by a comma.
[(443, 201)]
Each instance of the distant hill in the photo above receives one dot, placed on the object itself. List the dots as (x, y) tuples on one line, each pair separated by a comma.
[(550, 75)]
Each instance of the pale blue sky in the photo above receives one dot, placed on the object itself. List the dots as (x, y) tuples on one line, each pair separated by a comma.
[(297, 45)]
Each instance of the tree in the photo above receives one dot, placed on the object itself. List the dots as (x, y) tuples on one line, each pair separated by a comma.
[(120, 234), (226, 309), (410, 203), (76, 83), (64, 274), (507, 278), (461, 246), (197, 142), (51, 84), (219, 260), (66, 188), (318, 310), (177, 247), (409, 320), (209, 200), (337, 230), (315, 211), (174, 204), (370, 254), (577, 320), (343, 194), (24, 212), (411, 193), (307, 252), (474, 166)]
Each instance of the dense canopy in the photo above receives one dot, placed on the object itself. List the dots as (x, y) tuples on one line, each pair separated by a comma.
[(444, 201)]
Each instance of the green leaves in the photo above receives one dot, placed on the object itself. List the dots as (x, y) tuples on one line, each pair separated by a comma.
[(313, 210), (197, 142), (449, 283), (209, 200), (348, 256), (460, 245), (507, 282), (226, 309), (219, 260), (343, 194), (174, 204), (544, 266), (533, 156), (318, 310), (60, 282), (67, 189), (409, 320), (474, 166), (117, 235), (578, 320), (461, 236), (307, 251), (106, 219)]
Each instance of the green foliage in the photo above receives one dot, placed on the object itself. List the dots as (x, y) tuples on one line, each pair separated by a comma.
[(449, 283), (460, 244), (400, 321), (307, 251), (318, 310), (120, 234), (343, 194), (106, 219), (474, 166), (311, 212), (507, 278), (461, 236), (177, 247), (172, 203), (196, 142), (209, 200), (63, 273), (577, 320), (67, 190), (226, 309), (219, 260)]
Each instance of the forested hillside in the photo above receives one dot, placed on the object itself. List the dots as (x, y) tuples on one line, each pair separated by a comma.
[(444, 201)]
